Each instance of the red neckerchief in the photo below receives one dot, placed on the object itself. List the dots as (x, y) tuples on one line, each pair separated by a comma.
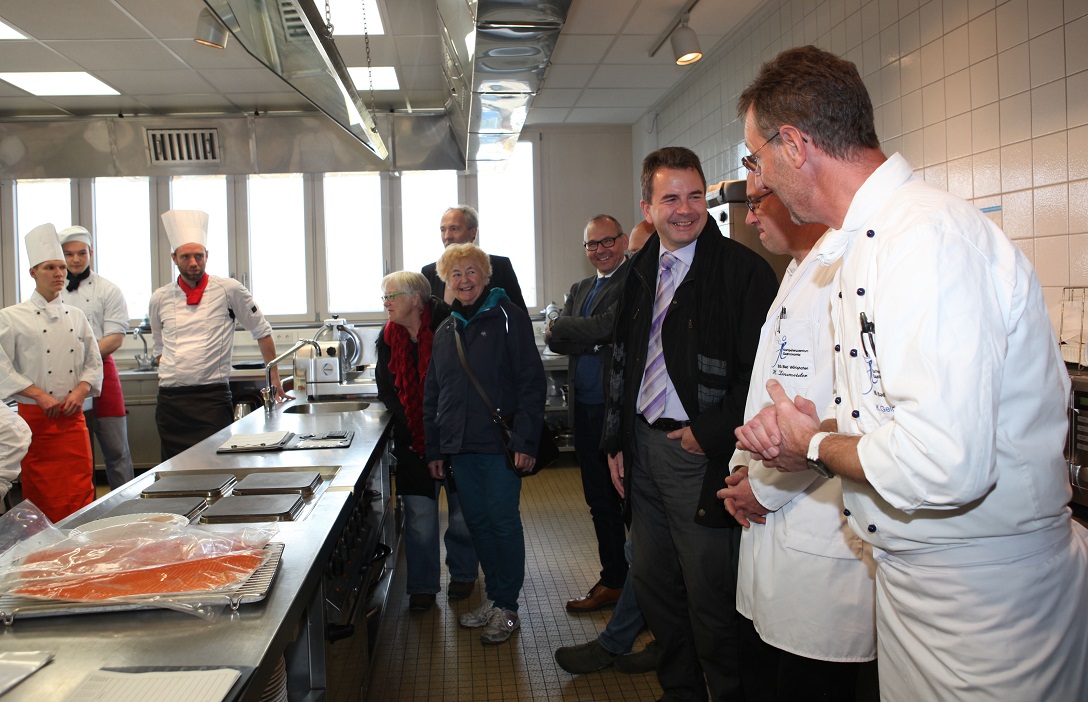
[(408, 377), (193, 295)]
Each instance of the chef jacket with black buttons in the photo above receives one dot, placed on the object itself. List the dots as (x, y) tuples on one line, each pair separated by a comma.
[(50, 345)]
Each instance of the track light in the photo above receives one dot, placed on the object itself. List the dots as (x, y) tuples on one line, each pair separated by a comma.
[(210, 31), (685, 44)]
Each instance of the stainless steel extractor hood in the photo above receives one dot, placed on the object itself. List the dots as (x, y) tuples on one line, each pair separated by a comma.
[(290, 38), (495, 53)]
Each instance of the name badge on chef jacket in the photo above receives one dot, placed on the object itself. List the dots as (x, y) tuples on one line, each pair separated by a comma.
[(792, 360)]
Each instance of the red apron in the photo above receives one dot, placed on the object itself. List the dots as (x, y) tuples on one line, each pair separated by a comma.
[(111, 403), (57, 472)]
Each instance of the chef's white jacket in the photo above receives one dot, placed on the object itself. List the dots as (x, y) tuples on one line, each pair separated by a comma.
[(196, 342), (960, 396), (48, 344), (14, 441), (103, 304), (805, 578)]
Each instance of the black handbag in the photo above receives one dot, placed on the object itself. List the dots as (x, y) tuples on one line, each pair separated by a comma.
[(547, 450)]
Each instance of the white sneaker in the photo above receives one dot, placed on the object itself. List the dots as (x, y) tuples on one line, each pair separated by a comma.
[(479, 616), (502, 623)]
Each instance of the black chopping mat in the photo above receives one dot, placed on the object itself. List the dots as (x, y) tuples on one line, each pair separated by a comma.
[(202, 485), (281, 482)]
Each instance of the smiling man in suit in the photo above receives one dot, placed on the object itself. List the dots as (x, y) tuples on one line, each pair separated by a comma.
[(581, 331)]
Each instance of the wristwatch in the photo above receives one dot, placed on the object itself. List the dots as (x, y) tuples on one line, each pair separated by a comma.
[(814, 462)]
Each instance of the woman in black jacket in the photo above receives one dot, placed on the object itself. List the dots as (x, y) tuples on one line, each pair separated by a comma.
[(500, 349), (404, 354)]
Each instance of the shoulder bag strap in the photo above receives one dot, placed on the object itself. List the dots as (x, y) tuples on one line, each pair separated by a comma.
[(472, 376)]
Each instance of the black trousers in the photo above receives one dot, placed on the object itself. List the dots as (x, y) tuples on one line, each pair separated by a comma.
[(187, 415), (604, 502), (771, 674)]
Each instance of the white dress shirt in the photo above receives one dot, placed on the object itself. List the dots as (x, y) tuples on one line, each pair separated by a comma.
[(47, 344), (196, 342), (674, 408), (102, 302), (805, 579)]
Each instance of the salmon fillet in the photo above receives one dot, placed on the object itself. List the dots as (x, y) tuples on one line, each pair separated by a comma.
[(201, 575)]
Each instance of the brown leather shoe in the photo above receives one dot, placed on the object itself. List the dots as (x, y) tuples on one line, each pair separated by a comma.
[(598, 596)]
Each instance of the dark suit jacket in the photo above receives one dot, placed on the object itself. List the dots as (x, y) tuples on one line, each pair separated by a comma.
[(502, 276), (574, 334)]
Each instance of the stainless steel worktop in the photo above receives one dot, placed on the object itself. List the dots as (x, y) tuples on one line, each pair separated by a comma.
[(256, 635)]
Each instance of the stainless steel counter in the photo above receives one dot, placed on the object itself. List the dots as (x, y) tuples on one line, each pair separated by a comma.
[(290, 620)]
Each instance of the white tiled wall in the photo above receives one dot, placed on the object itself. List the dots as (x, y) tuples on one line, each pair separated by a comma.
[(988, 99)]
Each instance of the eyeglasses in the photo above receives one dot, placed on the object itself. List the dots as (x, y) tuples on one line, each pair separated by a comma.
[(752, 203), (607, 242), (750, 162), (390, 296)]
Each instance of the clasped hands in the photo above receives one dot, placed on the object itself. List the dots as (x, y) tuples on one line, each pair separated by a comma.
[(779, 434)]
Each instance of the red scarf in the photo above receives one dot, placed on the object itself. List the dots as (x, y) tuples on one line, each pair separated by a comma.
[(193, 295), (408, 377)]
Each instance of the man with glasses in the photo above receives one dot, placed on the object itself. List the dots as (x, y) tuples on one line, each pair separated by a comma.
[(687, 327), (796, 546), (192, 324), (949, 413), (460, 225), (584, 333), (107, 311)]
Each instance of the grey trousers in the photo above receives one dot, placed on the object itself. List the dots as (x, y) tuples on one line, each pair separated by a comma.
[(112, 436), (685, 574)]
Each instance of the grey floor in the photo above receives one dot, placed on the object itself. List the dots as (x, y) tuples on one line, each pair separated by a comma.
[(428, 657)]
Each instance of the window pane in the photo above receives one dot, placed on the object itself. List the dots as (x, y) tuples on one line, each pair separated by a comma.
[(208, 194), (424, 196), (353, 241), (38, 202), (277, 243), (508, 217), (122, 229)]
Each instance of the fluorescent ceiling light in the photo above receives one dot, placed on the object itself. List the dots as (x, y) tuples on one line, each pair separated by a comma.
[(385, 78), (347, 18), (7, 32), (58, 83)]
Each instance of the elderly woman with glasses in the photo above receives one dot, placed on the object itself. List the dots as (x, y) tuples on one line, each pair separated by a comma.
[(494, 339), (404, 354)]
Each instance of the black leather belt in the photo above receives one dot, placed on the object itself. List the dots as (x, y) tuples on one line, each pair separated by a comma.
[(666, 424)]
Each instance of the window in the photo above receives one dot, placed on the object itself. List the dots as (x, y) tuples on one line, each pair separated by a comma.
[(38, 202), (279, 274), (508, 216), (353, 242), (122, 230), (208, 194), (424, 196)]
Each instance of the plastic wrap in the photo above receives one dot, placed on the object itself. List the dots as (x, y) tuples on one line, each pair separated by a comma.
[(158, 563)]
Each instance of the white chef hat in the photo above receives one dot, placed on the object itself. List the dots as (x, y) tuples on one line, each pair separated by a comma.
[(75, 233), (186, 227), (42, 244)]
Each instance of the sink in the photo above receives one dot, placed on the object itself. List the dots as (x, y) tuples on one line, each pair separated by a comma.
[(327, 407)]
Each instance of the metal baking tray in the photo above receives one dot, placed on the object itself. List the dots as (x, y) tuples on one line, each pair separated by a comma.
[(253, 508), (185, 506), (278, 483), (202, 485), (254, 589)]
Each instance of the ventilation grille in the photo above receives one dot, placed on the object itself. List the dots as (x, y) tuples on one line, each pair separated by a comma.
[(293, 25), (183, 145)]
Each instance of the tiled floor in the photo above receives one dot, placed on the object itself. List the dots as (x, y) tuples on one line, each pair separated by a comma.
[(428, 658)]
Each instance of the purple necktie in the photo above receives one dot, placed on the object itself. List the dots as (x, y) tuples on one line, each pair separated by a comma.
[(653, 381)]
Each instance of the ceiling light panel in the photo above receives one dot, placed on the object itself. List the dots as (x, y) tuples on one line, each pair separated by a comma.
[(385, 78), (58, 83), (347, 18), (7, 32)]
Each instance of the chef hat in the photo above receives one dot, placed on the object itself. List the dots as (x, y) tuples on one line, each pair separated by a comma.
[(186, 227), (75, 233), (42, 244)]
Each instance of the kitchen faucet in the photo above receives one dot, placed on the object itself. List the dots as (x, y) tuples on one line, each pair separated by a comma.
[(268, 393)]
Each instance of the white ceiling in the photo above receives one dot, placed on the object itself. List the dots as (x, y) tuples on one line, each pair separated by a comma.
[(601, 72)]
